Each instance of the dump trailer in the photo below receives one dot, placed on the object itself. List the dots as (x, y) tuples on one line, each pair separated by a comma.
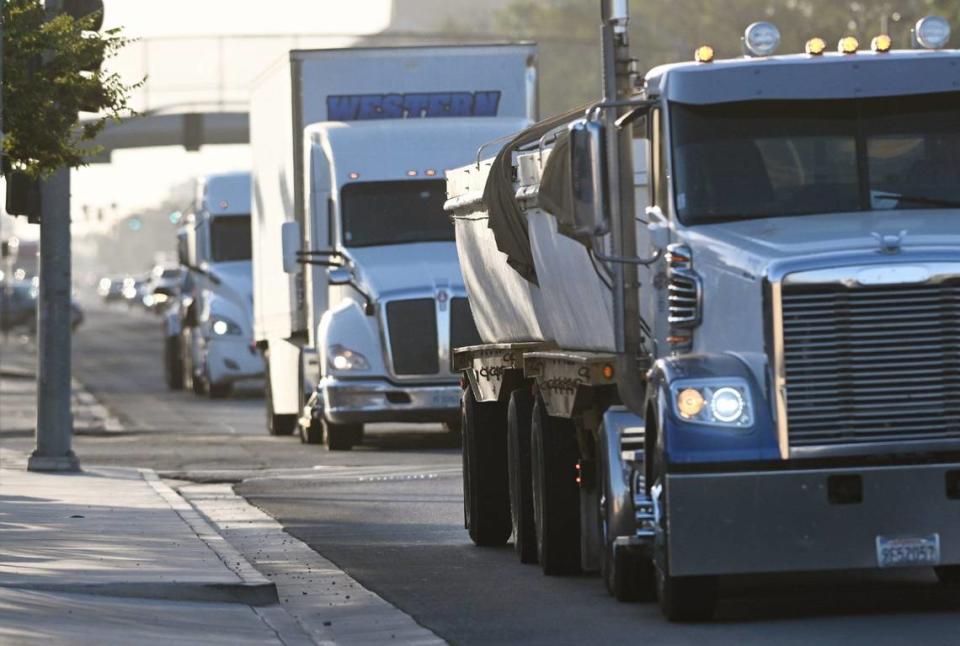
[(359, 297), (719, 314)]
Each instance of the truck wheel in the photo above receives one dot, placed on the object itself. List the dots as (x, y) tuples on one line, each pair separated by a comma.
[(556, 496), (218, 391), (629, 576), (312, 434), (948, 574), (486, 490), (682, 598), (276, 424), (519, 414), (342, 437), (172, 370)]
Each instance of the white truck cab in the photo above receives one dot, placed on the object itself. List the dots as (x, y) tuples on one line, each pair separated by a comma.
[(217, 319), (358, 292)]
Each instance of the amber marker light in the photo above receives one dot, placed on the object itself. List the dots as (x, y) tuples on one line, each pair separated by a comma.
[(690, 402), (816, 46), (608, 372), (848, 45), (704, 54), (354, 175), (881, 44)]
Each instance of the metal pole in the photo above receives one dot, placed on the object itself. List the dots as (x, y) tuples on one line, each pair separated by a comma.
[(54, 419), (618, 85)]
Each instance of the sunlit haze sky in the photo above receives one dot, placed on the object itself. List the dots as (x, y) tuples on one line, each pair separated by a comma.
[(141, 178)]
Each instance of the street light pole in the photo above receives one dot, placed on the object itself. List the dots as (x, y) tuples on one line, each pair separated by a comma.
[(54, 435)]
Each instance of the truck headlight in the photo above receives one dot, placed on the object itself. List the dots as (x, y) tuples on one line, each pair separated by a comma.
[(714, 402), (222, 326), (343, 358)]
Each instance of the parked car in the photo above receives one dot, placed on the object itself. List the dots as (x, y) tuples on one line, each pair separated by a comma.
[(18, 307)]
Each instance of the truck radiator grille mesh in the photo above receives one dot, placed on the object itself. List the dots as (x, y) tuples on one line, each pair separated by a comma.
[(463, 331), (872, 364), (412, 325)]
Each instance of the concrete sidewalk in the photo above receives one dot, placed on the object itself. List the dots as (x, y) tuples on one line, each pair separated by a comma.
[(115, 556)]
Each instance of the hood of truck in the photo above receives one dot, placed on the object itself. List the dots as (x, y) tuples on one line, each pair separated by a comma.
[(389, 270), (233, 297), (749, 246)]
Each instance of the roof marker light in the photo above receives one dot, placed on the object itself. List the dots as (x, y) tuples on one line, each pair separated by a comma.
[(816, 46), (881, 44), (761, 39), (932, 32), (411, 173), (430, 172), (848, 45), (704, 54), (354, 175)]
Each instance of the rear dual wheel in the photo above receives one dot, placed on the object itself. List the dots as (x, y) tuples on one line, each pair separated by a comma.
[(556, 494), (519, 416), (486, 491)]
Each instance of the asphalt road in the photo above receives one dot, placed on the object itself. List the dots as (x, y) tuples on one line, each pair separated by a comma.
[(390, 514)]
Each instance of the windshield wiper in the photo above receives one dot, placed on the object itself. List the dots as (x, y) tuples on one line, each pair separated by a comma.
[(919, 199)]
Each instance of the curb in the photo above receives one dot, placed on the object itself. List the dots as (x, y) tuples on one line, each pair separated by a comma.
[(254, 589)]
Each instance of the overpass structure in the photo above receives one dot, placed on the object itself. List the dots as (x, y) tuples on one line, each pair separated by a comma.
[(196, 89)]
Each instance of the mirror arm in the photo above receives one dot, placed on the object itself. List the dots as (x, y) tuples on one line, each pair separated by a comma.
[(368, 307), (320, 252), (318, 263), (623, 260)]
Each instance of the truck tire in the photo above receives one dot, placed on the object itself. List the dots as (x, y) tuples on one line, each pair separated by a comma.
[(342, 437), (628, 575), (312, 434), (682, 598), (486, 489), (276, 424), (948, 574), (519, 416), (556, 496), (172, 368), (218, 391)]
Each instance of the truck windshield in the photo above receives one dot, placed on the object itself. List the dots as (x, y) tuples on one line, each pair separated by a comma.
[(383, 213), (779, 158), (230, 238)]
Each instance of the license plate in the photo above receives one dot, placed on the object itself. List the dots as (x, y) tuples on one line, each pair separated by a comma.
[(908, 551)]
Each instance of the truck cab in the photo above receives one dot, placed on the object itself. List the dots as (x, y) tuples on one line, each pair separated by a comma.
[(388, 300), (777, 391), (217, 319)]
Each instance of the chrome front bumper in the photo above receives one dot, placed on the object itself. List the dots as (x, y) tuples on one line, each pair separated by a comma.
[(806, 520), (361, 401)]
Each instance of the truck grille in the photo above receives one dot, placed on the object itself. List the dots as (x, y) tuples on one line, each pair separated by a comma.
[(872, 364), (412, 325)]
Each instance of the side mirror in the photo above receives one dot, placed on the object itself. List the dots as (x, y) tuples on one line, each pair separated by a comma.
[(290, 239), (339, 276), (588, 175)]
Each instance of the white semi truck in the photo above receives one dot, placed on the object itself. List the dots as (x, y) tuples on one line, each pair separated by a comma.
[(358, 294), (747, 363), (209, 332)]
